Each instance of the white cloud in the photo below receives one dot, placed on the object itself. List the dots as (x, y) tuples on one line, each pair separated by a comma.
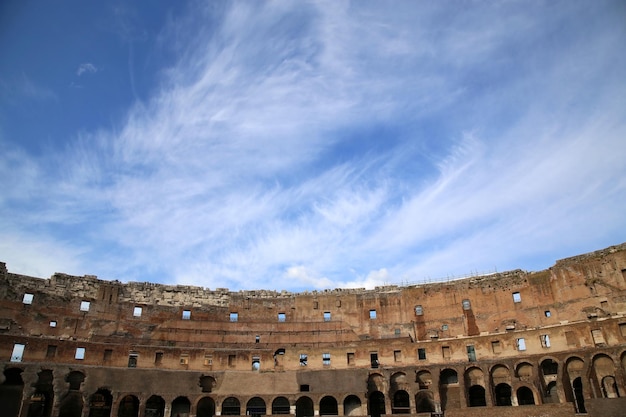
[(86, 67), (341, 146)]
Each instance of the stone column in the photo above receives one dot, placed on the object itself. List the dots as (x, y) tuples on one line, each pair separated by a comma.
[(29, 377), (462, 388)]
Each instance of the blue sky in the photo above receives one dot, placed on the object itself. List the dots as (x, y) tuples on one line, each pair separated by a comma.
[(309, 145)]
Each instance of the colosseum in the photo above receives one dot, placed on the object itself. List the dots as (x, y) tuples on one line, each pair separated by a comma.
[(549, 343)]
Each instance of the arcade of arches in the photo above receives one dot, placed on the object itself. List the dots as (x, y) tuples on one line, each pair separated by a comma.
[(401, 392)]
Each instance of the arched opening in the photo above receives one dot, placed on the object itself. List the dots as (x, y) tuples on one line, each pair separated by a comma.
[(75, 379), (609, 387), (549, 367), (155, 407), (552, 395), (524, 371), (476, 396), (181, 407), (304, 407), (231, 407), (375, 382), (424, 379), (400, 404), (280, 405), (207, 383), (129, 407), (100, 403), (376, 404), (352, 406), (604, 372), (11, 392), (206, 407), (579, 399), (255, 407), (449, 389), (503, 394), (399, 382), (41, 400), (424, 402), (328, 406), (525, 396)]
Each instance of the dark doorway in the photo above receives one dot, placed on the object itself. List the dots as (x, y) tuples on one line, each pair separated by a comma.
[(503, 395), (476, 396), (376, 404)]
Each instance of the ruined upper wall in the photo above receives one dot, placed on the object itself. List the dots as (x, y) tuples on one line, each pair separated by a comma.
[(607, 264)]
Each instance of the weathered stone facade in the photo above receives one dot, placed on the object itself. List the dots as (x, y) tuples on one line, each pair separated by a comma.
[(548, 343)]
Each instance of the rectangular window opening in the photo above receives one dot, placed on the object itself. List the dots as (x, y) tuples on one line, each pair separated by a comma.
[(545, 340), (397, 356), (471, 353), (18, 352), (421, 354), (598, 337), (326, 359), (521, 344), (137, 312), (51, 352), (350, 358), (445, 352), (304, 388), (28, 299), (234, 316), (208, 360), (419, 310), (132, 360), (326, 315), (372, 314), (466, 305), (517, 297), (53, 323), (547, 313), (84, 305), (184, 359), (622, 329), (106, 357), (496, 347), (232, 360), (304, 359), (158, 358), (80, 353), (374, 360), (281, 317), (186, 314)]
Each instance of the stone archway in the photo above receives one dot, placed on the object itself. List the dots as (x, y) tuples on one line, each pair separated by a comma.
[(129, 407), (503, 394), (280, 405), (11, 392), (206, 407), (376, 404), (525, 396), (352, 406), (328, 406), (155, 407), (304, 407)]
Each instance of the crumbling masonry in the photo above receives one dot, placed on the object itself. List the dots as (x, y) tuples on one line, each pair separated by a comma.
[(549, 343)]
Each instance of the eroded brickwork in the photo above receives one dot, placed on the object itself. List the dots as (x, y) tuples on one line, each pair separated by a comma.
[(547, 343)]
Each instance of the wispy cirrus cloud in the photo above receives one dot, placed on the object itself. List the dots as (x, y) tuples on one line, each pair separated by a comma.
[(86, 67), (334, 145)]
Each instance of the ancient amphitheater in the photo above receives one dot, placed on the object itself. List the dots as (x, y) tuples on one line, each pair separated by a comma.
[(548, 343)]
